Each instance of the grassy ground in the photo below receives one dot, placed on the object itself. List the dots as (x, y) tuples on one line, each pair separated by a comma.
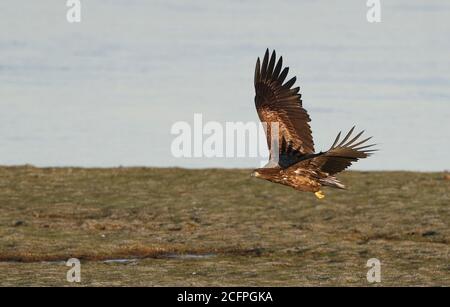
[(220, 227)]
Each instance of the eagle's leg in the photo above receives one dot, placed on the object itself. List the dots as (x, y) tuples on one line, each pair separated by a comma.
[(319, 194)]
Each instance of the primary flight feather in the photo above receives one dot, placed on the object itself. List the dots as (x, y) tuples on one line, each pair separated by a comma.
[(292, 159)]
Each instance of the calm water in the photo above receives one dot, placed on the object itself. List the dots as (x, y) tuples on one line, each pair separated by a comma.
[(105, 92)]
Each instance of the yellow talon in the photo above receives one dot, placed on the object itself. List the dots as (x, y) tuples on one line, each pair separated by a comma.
[(319, 194)]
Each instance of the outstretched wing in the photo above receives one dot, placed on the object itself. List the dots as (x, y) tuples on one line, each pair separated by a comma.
[(279, 105), (339, 156)]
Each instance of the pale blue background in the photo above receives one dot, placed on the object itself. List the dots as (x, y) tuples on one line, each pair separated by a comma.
[(106, 92)]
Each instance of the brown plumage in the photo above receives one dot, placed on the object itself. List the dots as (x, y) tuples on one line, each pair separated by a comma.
[(292, 159)]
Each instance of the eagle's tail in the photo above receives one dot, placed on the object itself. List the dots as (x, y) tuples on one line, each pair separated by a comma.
[(332, 181)]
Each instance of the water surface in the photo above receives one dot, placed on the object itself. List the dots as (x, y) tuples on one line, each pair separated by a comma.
[(105, 92)]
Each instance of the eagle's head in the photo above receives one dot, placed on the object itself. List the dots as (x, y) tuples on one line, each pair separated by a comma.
[(266, 173), (255, 174)]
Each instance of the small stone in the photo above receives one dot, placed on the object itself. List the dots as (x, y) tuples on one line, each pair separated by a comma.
[(18, 223), (174, 228), (429, 233)]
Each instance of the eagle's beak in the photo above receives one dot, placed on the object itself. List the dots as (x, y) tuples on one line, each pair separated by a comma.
[(255, 174)]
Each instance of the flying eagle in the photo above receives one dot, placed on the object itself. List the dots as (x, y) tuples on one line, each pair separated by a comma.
[(292, 159)]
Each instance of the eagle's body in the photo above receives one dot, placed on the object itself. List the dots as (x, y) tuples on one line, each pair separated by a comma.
[(304, 180), (293, 161)]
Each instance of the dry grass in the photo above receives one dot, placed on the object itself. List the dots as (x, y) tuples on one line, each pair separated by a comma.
[(255, 232)]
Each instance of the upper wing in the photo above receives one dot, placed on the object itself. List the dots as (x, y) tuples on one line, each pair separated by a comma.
[(280, 103), (339, 156)]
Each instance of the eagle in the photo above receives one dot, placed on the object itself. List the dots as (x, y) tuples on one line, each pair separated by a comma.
[(292, 159)]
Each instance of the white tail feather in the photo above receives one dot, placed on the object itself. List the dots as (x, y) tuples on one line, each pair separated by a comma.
[(332, 182)]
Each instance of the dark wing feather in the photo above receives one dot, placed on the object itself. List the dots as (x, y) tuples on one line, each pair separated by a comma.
[(340, 156), (278, 102)]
